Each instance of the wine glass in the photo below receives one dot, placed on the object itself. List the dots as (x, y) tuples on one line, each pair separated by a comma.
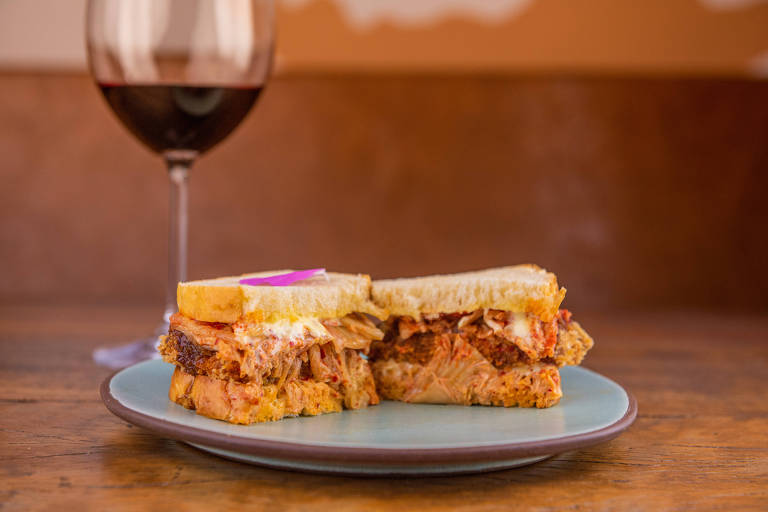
[(180, 75)]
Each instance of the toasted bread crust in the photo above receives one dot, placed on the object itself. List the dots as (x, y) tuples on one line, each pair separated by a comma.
[(573, 343), (225, 300), (521, 288)]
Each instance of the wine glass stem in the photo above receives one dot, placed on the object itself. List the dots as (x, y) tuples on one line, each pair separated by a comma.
[(178, 170)]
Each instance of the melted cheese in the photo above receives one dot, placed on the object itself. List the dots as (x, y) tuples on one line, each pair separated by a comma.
[(521, 325), (282, 334), (299, 328)]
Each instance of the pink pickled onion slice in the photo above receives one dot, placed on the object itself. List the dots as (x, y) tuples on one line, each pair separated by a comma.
[(282, 279)]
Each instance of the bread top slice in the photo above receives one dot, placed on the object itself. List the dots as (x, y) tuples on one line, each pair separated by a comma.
[(521, 288), (329, 295)]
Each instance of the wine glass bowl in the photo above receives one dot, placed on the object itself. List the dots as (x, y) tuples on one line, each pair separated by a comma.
[(180, 75), (203, 42), (179, 118)]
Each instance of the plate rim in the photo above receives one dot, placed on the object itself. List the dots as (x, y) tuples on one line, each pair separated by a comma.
[(366, 455)]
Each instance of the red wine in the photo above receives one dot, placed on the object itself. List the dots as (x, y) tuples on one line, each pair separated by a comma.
[(166, 117)]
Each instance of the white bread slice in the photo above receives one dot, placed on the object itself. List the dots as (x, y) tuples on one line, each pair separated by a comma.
[(521, 288), (225, 300)]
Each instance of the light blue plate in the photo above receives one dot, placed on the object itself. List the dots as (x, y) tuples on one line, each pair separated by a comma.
[(392, 438)]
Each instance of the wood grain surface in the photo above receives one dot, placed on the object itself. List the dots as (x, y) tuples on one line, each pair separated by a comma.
[(700, 440)]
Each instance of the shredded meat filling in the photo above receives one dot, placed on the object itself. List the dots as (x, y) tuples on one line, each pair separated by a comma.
[(505, 339), (419, 348), (499, 351), (203, 348)]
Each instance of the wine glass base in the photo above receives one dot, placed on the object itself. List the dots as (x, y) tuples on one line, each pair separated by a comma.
[(128, 354), (137, 351)]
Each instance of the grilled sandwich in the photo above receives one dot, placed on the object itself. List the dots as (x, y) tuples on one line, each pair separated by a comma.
[(493, 337), (246, 354)]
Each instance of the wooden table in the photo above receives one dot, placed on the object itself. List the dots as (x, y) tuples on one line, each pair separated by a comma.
[(700, 440)]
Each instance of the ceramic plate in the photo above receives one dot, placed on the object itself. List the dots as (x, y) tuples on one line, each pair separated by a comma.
[(391, 438)]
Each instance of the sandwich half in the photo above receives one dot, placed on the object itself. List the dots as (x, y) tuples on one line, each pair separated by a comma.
[(492, 337), (246, 354)]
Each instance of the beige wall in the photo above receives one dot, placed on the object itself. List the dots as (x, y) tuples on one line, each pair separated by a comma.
[(45, 34), (667, 36), (689, 36)]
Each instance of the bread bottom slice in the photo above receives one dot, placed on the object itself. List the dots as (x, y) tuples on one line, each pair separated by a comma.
[(458, 374), (244, 403)]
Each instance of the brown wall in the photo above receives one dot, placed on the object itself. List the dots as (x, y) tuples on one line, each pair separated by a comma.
[(639, 193)]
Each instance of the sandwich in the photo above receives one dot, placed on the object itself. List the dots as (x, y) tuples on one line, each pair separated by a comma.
[(493, 337), (247, 354)]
